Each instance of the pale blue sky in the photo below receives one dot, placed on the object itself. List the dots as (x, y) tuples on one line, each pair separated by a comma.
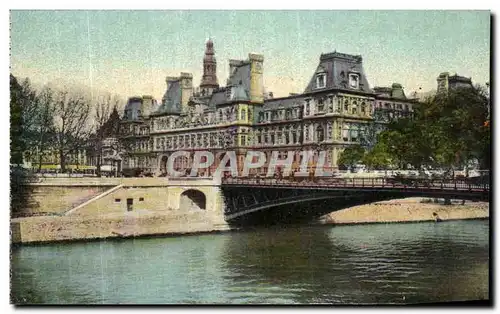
[(130, 52)]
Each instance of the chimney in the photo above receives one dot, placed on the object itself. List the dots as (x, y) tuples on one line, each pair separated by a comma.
[(256, 77), (186, 87)]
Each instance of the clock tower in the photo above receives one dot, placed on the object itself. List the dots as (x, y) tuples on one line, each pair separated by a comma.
[(209, 80)]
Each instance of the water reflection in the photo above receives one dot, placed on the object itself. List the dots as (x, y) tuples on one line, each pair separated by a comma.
[(361, 264), (397, 263)]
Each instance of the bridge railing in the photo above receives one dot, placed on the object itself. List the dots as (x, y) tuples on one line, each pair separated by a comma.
[(437, 184)]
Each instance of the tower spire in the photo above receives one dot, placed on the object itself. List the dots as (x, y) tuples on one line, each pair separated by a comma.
[(209, 80)]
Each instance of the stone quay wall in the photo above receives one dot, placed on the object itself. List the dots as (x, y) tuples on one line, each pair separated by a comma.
[(125, 207)]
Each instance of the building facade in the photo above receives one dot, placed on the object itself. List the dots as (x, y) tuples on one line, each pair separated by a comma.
[(446, 82), (337, 109)]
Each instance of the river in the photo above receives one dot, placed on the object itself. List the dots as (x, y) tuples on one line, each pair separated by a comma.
[(361, 264)]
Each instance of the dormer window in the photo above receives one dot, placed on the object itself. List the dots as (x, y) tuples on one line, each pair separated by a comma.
[(229, 93), (354, 80), (321, 106), (321, 80)]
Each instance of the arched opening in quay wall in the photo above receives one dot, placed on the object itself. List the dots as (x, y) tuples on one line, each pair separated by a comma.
[(193, 200)]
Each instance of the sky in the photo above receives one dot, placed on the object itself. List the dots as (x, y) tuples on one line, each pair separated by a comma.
[(130, 53)]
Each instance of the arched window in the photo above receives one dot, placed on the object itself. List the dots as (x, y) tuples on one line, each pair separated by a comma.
[(320, 134), (320, 80), (354, 133), (345, 132)]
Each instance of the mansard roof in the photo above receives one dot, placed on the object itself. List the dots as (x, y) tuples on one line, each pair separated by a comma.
[(337, 67), (171, 102), (395, 91), (284, 102), (132, 108), (218, 97), (241, 76), (237, 89)]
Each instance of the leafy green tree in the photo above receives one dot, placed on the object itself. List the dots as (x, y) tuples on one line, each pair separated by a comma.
[(458, 120), (447, 131), (378, 158), (351, 156)]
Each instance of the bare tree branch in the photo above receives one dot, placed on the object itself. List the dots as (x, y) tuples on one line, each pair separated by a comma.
[(71, 114)]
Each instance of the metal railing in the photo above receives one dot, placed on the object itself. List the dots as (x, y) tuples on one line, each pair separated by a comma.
[(373, 183)]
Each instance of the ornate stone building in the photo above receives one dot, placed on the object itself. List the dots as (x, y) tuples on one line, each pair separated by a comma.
[(337, 109), (134, 139)]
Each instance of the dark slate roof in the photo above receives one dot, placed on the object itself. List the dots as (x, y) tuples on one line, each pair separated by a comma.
[(240, 93), (285, 102), (395, 91), (218, 97), (459, 78), (278, 103), (238, 83), (337, 67), (241, 76), (198, 100), (132, 108), (171, 102)]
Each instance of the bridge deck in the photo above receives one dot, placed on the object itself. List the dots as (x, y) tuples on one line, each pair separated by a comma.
[(359, 183)]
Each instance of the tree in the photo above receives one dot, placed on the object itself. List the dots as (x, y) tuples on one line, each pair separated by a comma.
[(378, 158), (17, 143), (458, 118), (446, 132), (20, 190), (351, 156), (43, 124), (71, 115)]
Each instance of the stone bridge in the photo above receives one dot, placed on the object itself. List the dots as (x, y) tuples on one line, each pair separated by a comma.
[(233, 200)]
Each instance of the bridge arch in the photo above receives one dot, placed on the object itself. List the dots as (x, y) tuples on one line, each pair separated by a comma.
[(193, 200), (336, 202), (242, 201)]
